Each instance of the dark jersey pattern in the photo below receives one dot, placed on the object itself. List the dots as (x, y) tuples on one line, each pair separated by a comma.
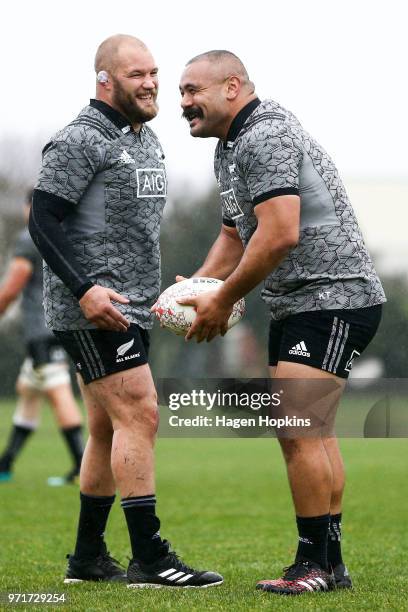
[(32, 300), (268, 154), (116, 181)]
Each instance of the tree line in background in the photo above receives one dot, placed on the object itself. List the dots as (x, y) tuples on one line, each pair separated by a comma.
[(189, 228)]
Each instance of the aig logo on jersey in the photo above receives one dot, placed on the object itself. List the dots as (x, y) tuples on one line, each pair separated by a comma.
[(230, 204), (151, 183)]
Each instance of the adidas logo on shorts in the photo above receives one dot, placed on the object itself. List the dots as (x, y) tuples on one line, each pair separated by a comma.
[(299, 349)]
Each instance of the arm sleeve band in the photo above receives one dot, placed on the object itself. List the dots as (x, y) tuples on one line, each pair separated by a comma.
[(47, 212), (274, 193), (228, 222)]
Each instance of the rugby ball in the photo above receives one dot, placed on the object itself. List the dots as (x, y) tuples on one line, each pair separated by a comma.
[(179, 317)]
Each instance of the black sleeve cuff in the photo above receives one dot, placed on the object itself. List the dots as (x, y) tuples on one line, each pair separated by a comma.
[(83, 289), (228, 222), (274, 193)]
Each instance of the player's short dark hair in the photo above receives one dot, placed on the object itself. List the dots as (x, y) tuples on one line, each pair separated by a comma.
[(220, 55), (215, 55)]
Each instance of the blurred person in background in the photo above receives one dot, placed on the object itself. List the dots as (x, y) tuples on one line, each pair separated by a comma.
[(241, 354), (45, 371)]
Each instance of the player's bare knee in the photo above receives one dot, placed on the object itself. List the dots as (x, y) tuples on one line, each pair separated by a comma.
[(293, 448), (101, 432), (290, 448), (146, 415), (23, 390), (337, 489), (139, 408)]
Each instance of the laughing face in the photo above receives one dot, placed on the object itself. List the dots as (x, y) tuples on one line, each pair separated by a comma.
[(135, 86), (203, 100)]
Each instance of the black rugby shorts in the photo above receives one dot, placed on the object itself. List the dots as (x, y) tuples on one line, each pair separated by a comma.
[(329, 340), (46, 350), (97, 352)]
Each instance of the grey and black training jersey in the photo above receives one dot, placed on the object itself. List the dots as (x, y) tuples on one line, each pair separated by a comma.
[(268, 153), (116, 181), (32, 300)]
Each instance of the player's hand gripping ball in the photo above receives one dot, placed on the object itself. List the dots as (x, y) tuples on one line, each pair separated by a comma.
[(179, 317)]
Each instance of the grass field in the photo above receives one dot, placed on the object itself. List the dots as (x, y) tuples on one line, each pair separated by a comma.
[(225, 505)]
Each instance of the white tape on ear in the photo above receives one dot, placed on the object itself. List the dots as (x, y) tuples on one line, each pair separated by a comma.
[(102, 76)]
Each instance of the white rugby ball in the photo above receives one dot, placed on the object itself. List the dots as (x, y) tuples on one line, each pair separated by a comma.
[(179, 317)]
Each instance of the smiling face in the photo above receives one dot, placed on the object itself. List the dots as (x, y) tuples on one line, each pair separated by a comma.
[(134, 82), (204, 89)]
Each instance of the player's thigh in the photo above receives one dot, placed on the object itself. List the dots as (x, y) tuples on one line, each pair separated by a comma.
[(28, 406), (64, 406), (62, 399), (129, 397), (308, 384), (99, 421), (28, 384), (309, 400)]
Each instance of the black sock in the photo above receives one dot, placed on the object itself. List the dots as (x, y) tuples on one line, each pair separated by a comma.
[(313, 531), (334, 541), (93, 517), (73, 438), (143, 526), (16, 441)]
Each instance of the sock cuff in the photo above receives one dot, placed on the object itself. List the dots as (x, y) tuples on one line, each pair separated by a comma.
[(313, 520), (97, 500), (335, 528), (138, 502), (26, 425), (73, 428)]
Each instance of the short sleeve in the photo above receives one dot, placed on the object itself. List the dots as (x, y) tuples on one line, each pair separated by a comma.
[(68, 166), (26, 248), (270, 159)]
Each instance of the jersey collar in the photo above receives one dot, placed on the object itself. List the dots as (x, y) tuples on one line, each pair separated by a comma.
[(239, 121), (112, 114)]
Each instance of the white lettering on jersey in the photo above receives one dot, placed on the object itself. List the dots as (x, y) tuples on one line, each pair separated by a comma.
[(324, 295), (151, 183)]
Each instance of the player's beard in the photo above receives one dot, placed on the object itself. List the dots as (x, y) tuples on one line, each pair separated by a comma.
[(128, 105)]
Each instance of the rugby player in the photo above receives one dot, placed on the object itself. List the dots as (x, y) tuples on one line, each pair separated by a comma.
[(286, 221), (96, 217), (45, 371)]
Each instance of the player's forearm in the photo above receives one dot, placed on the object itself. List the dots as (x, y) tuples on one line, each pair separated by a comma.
[(9, 292), (47, 212), (262, 255), (223, 257), (5, 300), (7, 296)]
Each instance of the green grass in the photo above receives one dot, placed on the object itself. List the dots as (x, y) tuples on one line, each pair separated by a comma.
[(225, 505)]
